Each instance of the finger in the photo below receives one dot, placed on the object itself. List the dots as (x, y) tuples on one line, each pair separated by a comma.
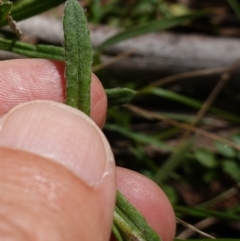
[(32, 79), (57, 177), (150, 200)]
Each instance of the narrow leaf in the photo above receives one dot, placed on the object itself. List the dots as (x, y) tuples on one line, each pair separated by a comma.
[(138, 137), (232, 168), (173, 162), (131, 223), (119, 96), (28, 8), (32, 51), (225, 150), (78, 56), (116, 96), (205, 213), (117, 233), (5, 9), (189, 101), (150, 27), (126, 227)]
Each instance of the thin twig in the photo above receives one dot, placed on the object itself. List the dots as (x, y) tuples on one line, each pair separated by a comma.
[(222, 197), (196, 228), (152, 115), (113, 60), (186, 75), (225, 77)]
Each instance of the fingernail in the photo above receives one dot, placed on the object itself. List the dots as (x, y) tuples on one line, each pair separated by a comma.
[(60, 133)]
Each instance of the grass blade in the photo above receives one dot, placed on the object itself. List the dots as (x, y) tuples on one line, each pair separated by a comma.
[(151, 27), (138, 137), (174, 160), (205, 213), (190, 102), (78, 56), (29, 8)]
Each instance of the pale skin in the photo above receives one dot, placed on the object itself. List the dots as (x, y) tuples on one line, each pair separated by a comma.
[(57, 176)]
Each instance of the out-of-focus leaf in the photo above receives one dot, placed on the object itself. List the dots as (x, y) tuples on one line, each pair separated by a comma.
[(236, 138), (170, 192), (119, 96), (232, 168), (205, 213), (151, 27), (138, 137), (29, 8), (142, 157), (189, 102), (205, 157), (225, 150), (176, 158)]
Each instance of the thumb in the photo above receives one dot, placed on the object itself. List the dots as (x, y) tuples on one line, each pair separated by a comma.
[(57, 178)]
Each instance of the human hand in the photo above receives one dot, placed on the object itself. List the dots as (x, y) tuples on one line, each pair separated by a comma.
[(57, 174)]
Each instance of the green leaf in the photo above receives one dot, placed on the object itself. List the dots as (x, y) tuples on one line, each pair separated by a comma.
[(119, 116), (5, 8), (32, 51), (150, 27), (117, 233), (128, 222), (142, 157), (78, 56), (232, 168), (225, 150), (205, 213), (177, 158), (119, 96), (116, 96), (236, 138), (131, 223), (188, 101), (170, 192), (205, 157), (138, 137), (28, 8)]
